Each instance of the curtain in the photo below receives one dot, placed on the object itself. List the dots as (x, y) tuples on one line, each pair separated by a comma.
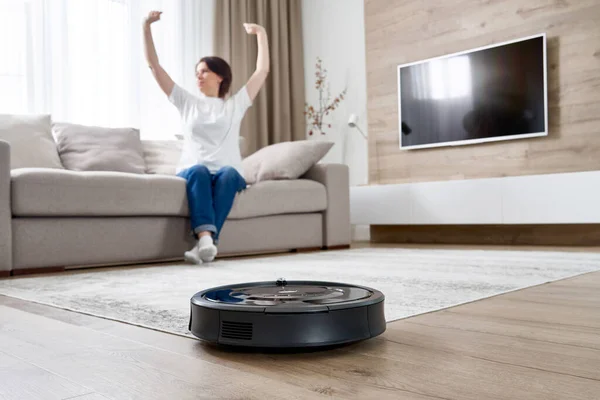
[(277, 114), (83, 61)]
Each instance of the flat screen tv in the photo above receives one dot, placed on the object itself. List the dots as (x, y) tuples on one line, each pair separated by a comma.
[(491, 93)]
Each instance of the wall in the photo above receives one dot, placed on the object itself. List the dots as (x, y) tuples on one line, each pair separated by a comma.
[(401, 32), (334, 31)]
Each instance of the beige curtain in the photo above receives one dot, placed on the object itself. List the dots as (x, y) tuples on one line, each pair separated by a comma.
[(277, 114)]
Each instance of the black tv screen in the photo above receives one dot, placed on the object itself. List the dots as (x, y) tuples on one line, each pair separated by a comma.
[(496, 92)]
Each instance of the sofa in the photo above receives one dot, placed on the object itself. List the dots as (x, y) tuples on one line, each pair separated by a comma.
[(55, 218)]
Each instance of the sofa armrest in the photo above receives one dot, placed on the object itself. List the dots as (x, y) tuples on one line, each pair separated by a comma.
[(336, 218), (5, 210)]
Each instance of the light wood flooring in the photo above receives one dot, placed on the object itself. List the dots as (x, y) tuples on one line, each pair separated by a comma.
[(538, 343)]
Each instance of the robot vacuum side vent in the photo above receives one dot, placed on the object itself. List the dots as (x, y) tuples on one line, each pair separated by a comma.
[(236, 330)]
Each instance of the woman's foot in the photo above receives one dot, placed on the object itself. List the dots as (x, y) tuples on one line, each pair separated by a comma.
[(193, 255), (207, 251)]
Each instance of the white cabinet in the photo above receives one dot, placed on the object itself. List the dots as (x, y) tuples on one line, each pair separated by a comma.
[(552, 199), (535, 199), (380, 205), (461, 202)]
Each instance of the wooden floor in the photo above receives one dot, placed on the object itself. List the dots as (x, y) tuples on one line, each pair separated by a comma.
[(537, 343)]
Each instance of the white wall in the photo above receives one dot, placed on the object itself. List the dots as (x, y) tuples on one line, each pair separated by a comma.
[(334, 30)]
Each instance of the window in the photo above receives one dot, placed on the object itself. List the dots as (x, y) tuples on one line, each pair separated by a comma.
[(14, 79), (83, 61)]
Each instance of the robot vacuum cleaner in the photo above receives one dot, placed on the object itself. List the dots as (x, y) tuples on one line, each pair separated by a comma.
[(281, 314)]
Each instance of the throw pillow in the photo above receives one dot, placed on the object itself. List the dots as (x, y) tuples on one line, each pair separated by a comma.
[(286, 160), (31, 142), (92, 148), (162, 156)]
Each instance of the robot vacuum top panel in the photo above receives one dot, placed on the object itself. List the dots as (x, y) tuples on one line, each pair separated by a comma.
[(287, 297)]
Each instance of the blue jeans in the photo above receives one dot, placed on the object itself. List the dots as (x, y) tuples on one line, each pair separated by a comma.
[(210, 196)]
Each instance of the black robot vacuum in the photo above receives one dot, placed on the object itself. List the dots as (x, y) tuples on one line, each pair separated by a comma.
[(281, 314)]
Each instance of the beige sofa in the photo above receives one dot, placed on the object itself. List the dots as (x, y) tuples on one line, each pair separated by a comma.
[(56, 218)]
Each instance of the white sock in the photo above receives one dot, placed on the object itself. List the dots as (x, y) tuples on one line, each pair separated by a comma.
[(193, 255), (205, 241), (208, 250)]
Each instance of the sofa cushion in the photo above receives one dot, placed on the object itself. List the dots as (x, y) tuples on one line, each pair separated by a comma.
[(279, 197), (31, 141), (46, 192), (162, 156), (39, 192), (94, 148)]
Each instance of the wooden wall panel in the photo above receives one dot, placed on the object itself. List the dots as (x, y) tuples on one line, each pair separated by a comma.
[(398, 32)]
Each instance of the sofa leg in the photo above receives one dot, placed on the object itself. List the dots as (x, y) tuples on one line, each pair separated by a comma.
[(339, 247)]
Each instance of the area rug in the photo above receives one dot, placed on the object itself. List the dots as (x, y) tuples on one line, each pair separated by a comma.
[(414, 281)]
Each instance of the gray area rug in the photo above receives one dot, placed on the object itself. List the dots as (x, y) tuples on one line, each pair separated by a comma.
[(414, 281)]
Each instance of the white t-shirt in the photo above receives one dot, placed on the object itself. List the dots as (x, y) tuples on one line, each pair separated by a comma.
[(211, 129)]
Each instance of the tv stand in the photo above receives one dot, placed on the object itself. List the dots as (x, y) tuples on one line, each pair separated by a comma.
[(563, 198)]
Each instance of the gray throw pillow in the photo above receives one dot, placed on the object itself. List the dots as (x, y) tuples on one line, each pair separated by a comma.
[(162, 156), (31, 141), (286, 160), (92, 148)]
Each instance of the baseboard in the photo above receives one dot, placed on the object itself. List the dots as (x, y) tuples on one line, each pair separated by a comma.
[(542, 235), (31, 271), (4, 274)]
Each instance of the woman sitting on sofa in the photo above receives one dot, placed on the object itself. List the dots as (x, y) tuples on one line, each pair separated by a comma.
[(210, 162)]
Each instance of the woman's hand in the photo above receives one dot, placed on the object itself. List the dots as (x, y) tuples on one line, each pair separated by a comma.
[(152, 17), (253, 29)]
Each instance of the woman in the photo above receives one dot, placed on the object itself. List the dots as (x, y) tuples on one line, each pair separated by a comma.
[(210, 162)]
